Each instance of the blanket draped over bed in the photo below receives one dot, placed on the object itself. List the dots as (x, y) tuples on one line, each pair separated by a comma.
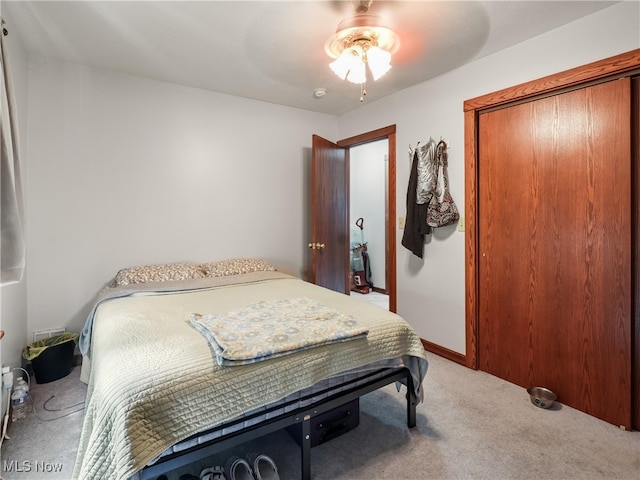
[(153, 379), (269, 329)]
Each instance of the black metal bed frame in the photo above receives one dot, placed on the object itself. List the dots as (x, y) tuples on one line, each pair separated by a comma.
[(301, 415)]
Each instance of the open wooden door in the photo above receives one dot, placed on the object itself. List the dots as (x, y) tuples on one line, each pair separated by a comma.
[(330, 210)]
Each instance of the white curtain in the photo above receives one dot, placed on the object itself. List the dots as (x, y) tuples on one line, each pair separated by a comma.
[(12, 246)]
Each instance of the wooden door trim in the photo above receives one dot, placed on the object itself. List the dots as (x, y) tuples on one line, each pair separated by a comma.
[(611, 67), (389, 133), (635, 251), (372, 136)]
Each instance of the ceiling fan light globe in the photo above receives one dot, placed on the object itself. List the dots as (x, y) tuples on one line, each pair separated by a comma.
[(379, 62), (350, 60), (342, 64), (358, 73)]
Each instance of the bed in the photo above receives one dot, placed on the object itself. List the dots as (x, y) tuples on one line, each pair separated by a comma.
[(159, 396)]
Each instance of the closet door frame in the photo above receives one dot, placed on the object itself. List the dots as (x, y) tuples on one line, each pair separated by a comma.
[(621, 65)]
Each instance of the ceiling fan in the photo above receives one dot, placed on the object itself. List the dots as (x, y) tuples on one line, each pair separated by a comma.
[(362, 47)]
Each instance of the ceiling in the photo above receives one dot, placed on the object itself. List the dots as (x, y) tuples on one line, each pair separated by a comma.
[(274, 50)]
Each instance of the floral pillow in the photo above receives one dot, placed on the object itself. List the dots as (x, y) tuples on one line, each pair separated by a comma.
[(161, 272), (236, 266)]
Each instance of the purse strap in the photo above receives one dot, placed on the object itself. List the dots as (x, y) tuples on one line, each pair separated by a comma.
[(441, 161)]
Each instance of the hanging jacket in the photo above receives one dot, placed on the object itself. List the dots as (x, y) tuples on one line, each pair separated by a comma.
[(415, 227), (427, 171)]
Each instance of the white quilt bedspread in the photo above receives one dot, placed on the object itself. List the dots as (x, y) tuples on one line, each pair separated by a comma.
[(154, 380)]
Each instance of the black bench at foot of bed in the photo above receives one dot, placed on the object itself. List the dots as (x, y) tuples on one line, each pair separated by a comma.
[(303, 416)]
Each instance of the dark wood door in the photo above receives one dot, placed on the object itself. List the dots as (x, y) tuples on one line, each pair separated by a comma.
[(329, 211), (554, 237), (635, 152)]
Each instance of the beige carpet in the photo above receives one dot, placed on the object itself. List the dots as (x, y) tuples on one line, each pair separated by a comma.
[(471, 425)]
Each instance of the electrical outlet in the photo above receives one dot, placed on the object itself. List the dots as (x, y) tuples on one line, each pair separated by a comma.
[(401, 223), (461, 224)]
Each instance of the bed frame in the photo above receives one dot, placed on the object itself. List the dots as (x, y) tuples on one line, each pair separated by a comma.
[(303, 415)]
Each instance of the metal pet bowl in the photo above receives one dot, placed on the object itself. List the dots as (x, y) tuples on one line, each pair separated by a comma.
[(541, 397)]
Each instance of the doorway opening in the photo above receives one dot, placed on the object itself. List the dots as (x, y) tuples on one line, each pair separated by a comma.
[(371, 167), (330, 230), (368, 169)]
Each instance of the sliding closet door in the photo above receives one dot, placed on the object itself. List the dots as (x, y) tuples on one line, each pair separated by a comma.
[(635, 155), (554, 238)]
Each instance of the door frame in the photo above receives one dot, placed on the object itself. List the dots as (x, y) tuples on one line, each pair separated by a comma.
[(624, 64), (388, 133)]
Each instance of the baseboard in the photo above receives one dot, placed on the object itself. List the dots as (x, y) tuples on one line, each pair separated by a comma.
[(444, 352)]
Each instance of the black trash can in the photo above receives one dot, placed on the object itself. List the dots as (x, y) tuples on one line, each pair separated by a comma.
[(51, 358)]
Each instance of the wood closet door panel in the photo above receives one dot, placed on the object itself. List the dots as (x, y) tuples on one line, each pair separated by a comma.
[(555, 247), (635, 155)]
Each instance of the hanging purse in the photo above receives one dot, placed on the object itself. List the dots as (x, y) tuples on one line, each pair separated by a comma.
[(442, 210)]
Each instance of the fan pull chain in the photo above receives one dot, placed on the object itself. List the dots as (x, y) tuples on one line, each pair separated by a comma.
[(363, 92)]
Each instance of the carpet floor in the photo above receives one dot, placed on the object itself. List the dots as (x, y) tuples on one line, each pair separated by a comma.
[(471, 426)]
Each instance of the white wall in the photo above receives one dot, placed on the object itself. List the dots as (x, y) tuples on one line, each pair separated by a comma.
[(123, 170), (127, 171), (13, 298), (431, 293)]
